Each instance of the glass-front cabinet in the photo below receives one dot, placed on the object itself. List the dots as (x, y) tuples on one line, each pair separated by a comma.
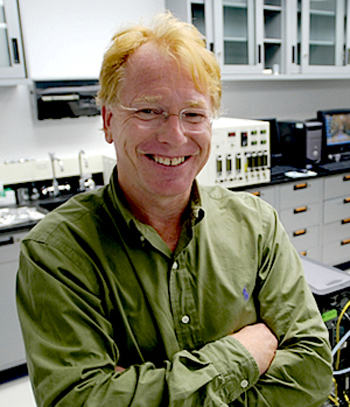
[(238, 36), (11, 52), (324, 36), (273, 37)]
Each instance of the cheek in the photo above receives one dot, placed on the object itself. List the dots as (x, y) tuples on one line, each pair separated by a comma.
[(204, 143)]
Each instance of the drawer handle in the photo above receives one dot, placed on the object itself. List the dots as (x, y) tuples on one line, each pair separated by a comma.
[(7, 241), (344, 242), (347, 200), (300, 186), (346, 178), (299, 232), (303, 253), (256, 193), (300, 209), (345, 221)]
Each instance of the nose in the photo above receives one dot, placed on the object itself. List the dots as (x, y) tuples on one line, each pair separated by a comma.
[(171, 131)]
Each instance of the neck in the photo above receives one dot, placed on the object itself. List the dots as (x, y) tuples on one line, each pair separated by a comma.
[(164, 214)]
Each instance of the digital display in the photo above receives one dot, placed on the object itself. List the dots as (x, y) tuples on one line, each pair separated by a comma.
[(335, 134), (337, 127)]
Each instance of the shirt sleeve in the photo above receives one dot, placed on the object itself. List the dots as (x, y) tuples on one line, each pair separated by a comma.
[(72, 355), (301, 372)]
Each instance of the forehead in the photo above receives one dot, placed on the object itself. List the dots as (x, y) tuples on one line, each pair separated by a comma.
[(153, 74)]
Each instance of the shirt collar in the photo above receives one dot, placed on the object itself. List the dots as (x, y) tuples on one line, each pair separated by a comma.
[(196, 212)]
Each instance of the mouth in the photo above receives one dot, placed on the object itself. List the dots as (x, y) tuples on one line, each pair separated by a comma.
[(168, 162)]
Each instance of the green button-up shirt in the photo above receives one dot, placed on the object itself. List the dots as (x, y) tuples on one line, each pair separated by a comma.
[(98, 289)]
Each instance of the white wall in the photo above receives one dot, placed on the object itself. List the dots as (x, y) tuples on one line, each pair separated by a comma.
[(53, 29), (289, 99)]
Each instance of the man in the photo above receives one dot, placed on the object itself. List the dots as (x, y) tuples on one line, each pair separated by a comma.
[(155, 291)]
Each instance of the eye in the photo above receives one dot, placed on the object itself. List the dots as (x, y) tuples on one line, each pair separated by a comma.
[(193, 116), (148, 113)]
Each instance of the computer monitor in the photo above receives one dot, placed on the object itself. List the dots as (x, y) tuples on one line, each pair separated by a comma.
[(336, 133)]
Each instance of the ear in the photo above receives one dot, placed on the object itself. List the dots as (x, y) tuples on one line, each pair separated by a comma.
[(107, 115)]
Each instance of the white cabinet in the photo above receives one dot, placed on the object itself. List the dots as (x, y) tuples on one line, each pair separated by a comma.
[(238, 36), (324, 36), (300, 209), (12, 348), (336, 219), (12, 63), (66, 39), (315, 214), (305, 37)]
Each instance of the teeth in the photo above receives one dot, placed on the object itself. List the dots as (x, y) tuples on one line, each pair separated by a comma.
[(169, 162)]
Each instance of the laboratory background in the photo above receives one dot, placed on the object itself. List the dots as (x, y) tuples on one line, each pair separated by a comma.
[(283, 133)]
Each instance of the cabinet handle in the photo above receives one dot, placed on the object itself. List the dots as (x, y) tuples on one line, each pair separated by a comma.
[(346, 178), (259, 54), (344, 242), (8, 241), (347, 200), (299, 232), (303, 253), (256, 193), (15, 50), (345, 221), (300, 186), (300, 209), (293, 54), (211, 47)]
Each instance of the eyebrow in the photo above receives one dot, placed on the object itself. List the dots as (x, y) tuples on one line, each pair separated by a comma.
[(157, 99)]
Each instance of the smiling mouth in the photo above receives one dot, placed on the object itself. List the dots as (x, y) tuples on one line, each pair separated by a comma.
[(169, 162)]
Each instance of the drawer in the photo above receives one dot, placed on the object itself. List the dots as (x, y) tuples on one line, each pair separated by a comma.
[(313, 253), (300, 193), (337, 252), (332, 232), (336, 186), (305, 239), (9, 246), (268, 194), (336, 209), (302, 216)]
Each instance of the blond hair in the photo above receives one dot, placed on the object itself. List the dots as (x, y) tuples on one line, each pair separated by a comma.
[(179, 40)]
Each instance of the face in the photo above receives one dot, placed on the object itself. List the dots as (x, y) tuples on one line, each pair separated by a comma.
[(160, 161)]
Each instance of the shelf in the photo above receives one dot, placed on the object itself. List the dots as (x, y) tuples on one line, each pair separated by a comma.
[(276, 9), (322, 13), (276, 41), (234, 5), (283, 77), (322, 43), (235, 39)]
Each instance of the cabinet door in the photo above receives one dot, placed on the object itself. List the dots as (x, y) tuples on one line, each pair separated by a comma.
[(238, 35), (293, 35), (274, 35), (324, 36), (11, 52), (197, 12), (12, 348)]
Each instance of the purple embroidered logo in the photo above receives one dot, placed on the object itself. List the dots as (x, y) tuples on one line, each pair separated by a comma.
[(245, 294)]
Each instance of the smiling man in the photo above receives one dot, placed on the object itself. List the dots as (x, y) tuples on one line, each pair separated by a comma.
[(154, 290)]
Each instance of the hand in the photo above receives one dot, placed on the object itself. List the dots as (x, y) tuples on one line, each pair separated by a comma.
[(260, 342)]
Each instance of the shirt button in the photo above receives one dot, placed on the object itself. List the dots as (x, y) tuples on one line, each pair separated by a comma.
[(142, 238), (244, 383), (175, 266), (185, 319)]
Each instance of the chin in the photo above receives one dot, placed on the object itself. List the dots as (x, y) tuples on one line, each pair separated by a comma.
[(171, 188)]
